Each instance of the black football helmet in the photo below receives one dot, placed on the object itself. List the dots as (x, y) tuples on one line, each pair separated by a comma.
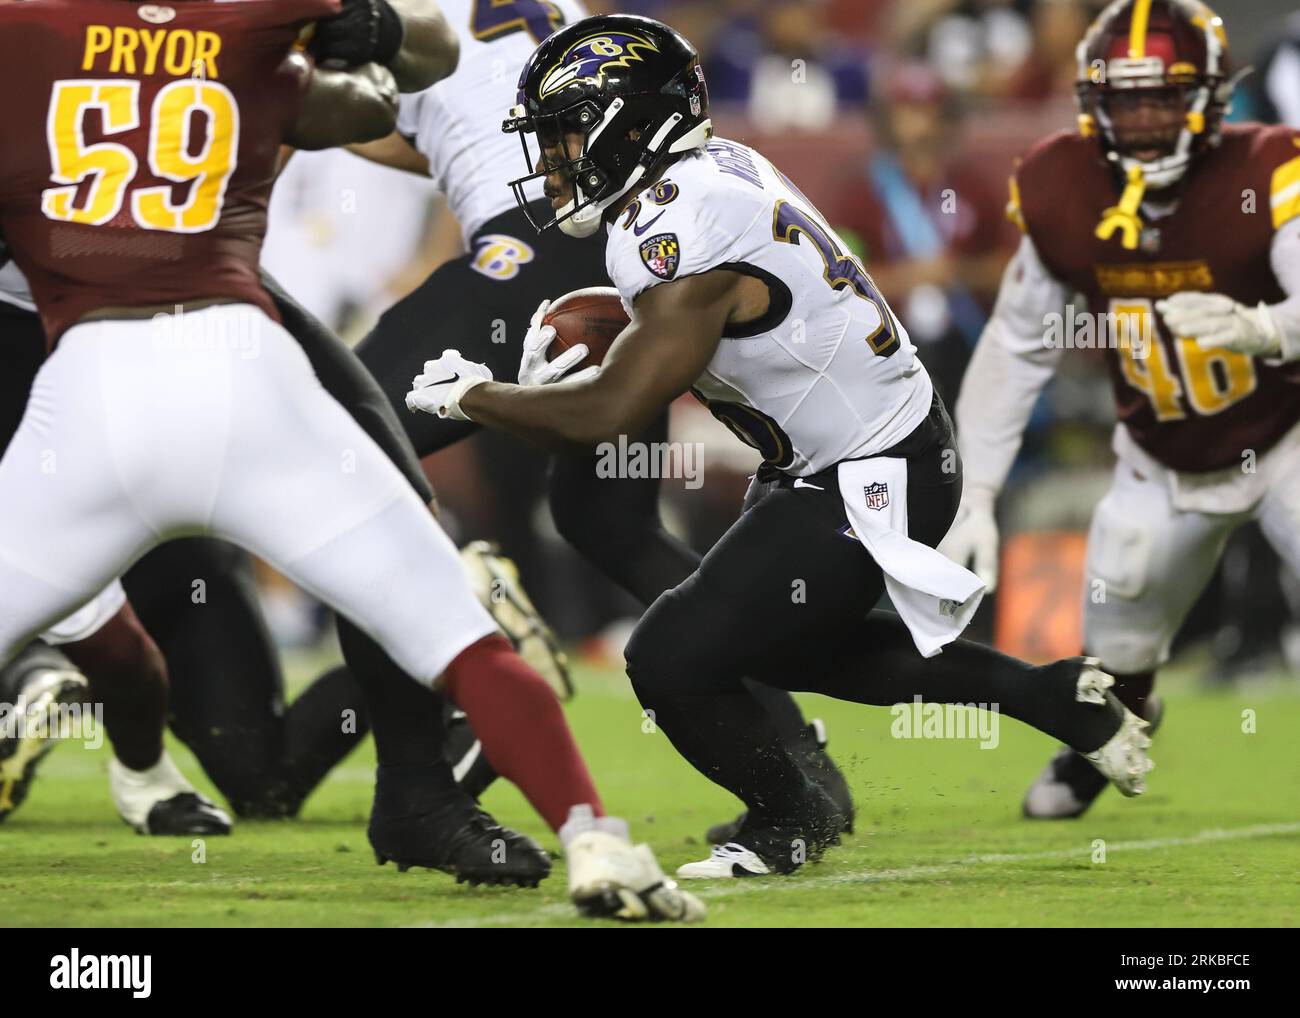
[(632, 87)]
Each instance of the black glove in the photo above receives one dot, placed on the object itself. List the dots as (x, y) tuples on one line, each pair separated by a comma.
[(367, 31)]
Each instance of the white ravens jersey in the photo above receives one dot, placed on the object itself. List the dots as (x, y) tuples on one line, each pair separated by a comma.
[(828, 373), (456, 123)]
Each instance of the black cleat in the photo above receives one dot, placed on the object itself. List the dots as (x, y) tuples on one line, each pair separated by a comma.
[(187, 813), (421, 819), (477, 850), (811, 755), (41, 681), (160, 801), (464, 754), (1069, 784), (764, 846)]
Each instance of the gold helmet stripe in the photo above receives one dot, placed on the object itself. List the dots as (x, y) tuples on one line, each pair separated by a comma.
[(1137, 33), (1014, 212)]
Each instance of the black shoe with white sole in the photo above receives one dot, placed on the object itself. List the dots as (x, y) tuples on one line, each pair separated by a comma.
[(778, 845), (187, 813), (160, 801), (812, 757)]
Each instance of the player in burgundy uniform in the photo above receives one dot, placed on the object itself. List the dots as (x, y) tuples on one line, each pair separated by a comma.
[(174, 402), (1184, 236), (105, 640), (217, 226)]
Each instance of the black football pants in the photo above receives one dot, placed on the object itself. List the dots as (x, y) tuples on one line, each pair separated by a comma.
[(787, 598)]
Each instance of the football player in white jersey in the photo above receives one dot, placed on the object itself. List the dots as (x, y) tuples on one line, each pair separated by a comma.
[(739, 291), (482, 302)]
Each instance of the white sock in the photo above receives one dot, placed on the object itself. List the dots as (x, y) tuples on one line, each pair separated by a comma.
[(135, 793), (582, 818)]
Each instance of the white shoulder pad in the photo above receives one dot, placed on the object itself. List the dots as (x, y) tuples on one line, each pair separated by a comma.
[(687, 223)]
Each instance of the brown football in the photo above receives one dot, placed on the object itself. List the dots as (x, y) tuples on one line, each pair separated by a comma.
[(594, 316)]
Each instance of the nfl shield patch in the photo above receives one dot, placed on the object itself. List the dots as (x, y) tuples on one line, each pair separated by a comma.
[(877, 495), (661, 255)]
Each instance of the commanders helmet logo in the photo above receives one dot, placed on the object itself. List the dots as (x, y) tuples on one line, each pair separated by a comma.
[(661, 255), (588, 59)]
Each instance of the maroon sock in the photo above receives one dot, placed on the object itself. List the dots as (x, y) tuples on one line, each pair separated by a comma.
[(519, 721)]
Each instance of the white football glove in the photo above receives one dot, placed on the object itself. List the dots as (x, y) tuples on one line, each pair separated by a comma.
[(439, 389), (535, 369), (973, 537), (1214, 320)]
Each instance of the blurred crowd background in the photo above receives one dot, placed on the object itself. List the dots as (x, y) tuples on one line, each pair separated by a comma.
[(901, 120)]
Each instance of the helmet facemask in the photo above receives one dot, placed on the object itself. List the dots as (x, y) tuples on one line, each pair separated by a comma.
[(1177, 135), (554, 134), (1115, 80), (615, 157)]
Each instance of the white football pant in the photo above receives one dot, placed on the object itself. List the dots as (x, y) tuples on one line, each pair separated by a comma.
[(1148, 561), (214, 423)]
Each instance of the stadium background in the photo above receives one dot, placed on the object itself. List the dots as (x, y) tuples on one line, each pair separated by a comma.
[(948, 92), (883, 112)]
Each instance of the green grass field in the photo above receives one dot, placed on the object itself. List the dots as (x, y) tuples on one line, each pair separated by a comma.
[(939, 840)]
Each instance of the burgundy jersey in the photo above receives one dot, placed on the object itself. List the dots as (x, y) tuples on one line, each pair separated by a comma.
[(139, 146), (1191, 409)]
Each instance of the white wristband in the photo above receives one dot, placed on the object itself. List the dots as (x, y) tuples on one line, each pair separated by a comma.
[(451, 405)]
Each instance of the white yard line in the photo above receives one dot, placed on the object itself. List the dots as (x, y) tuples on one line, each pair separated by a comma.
[(710, 890)]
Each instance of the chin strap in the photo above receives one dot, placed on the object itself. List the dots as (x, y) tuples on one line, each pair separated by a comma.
[(1124, 216)]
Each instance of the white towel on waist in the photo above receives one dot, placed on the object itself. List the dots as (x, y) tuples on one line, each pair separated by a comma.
[(935, 597)]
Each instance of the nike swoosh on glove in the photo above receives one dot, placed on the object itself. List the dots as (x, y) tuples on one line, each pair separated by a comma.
[(1216, 321), (439, 389)]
